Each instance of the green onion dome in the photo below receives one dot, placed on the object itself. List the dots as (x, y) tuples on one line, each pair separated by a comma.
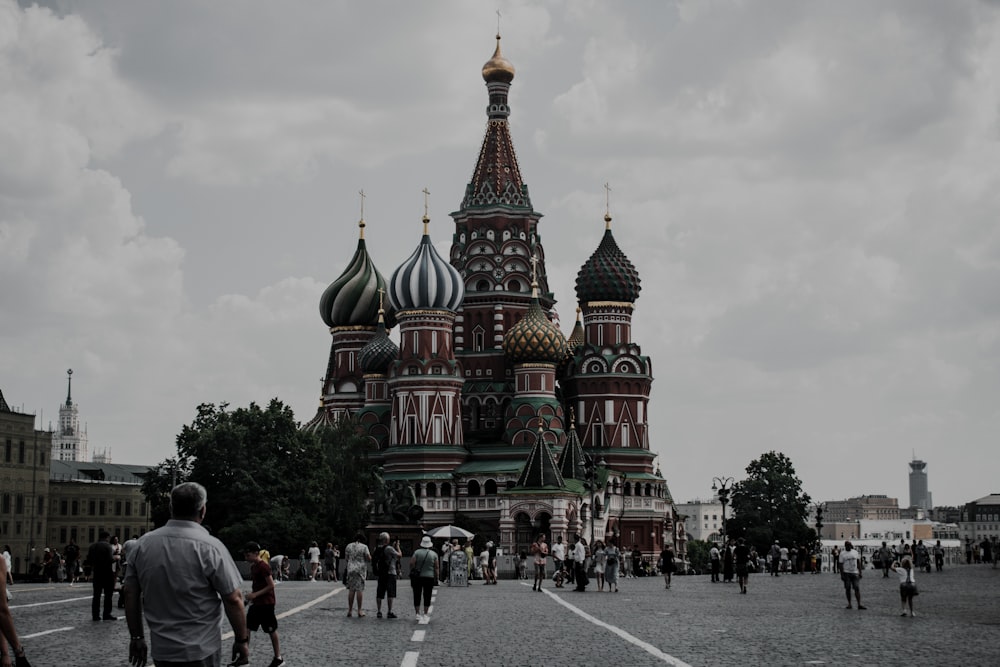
[(379, 353), (353, 298), (608, 275)]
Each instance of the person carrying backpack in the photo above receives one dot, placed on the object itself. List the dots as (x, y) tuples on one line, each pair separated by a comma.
[(385, 562)]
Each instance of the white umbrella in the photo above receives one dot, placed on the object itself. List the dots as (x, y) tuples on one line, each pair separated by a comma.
[(450, 532)]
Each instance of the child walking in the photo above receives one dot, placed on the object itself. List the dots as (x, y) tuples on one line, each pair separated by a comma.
[(261, 601)]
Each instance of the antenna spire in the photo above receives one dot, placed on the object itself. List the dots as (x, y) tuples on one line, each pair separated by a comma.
[(69, 387)]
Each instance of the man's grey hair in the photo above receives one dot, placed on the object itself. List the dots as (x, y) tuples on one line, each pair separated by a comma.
[(383, 537), (187, 500)]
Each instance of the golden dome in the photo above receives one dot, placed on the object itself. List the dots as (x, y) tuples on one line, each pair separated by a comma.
[(498, 68)]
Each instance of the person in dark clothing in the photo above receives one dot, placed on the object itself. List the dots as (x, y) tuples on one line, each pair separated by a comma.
[(100, 557), (727, 562), (741, 557)]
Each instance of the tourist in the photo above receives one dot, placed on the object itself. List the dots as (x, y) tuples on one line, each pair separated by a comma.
[(424, 571), (938, 556), (8, 634), (613, 559), (741, 558), (101, 558), (184, 610), (358, 557), (336, 562), (328, 562), (727, 562), (539, 551), (446, 561), (579, 564), (386, 557), (714, 558), (600, 558), (72, 554), (907, 585), (850, 573), (774, 558), (279, 566), (491, 565), (667, 565), (9, 578), (314, 554), (261, 598), (470, 562), (558, 553)]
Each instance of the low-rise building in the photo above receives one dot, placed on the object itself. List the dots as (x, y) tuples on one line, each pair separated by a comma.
[(980, 519), (870, 507), (702, 519), (89, 497), (24, 483)]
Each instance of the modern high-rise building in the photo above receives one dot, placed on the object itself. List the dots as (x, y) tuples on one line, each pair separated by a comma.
[(69, 442), (485, 409), (920, 497)]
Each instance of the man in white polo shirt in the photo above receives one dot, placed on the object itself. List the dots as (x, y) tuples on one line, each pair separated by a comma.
[(182, 578)]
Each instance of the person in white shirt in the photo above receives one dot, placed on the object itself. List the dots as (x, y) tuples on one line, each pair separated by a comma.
[(558, 553), (313, 561), (907, 584), (850, 572)]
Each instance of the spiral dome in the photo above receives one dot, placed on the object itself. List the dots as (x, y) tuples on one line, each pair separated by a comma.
[(379, 353), (426, 281), (498, 68), (608, 275), (353, 298), (534, 337)]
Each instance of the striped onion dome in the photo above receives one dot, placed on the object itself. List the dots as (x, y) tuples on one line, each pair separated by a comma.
[(426, 281), (608, 275), (534, 337), (380, 351), (353, 298)]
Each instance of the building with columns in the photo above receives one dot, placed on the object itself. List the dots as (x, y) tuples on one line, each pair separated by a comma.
[(485, 408)]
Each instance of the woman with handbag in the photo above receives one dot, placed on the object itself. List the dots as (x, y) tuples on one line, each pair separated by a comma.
[(907, 584), (424, 571)]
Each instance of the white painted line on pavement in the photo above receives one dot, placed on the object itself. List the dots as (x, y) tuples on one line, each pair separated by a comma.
[(418, 635), (410, 659), (631, 639), (46, 632), (42, 604)]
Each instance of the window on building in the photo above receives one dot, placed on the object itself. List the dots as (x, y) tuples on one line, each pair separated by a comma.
[(473, 488), (62, 536), (118, 508), (64, 507), (41, 505), (128, 508), (19, 504), (7, 451), (5, 504), (75, 508), (20, 452), (445, 489)]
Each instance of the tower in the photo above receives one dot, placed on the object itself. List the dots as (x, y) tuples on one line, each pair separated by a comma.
[(920, 497), (69, 442)]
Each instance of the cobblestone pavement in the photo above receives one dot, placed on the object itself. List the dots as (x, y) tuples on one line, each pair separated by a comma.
[(789, 620)]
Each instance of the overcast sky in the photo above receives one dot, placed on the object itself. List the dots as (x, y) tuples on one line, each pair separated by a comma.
[(810, 192)]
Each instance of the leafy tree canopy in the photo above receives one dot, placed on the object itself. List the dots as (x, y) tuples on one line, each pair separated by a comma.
[(267, 480), (770, 505)]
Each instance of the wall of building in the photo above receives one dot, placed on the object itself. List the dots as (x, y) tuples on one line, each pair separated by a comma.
[(24, 481)]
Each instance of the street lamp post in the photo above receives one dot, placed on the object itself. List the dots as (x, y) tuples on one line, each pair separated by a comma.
[(819, 534), (722, 485)]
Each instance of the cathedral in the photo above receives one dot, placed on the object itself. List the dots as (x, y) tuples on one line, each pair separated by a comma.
[(485, 409)]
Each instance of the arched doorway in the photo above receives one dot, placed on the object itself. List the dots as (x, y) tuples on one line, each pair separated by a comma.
[(524, 533)]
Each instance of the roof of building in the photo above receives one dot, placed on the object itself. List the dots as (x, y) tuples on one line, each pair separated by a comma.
[(426, 280), (379, 353), (3, 403), (572, 460), (105, 473), (609, 274), (540, 470), (353, 298), (992, 499)]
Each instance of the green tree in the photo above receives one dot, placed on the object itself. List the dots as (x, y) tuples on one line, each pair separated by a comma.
[(697, 555), (770, 505), (266, 479)]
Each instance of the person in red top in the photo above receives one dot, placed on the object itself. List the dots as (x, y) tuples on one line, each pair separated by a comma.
[(540, 550), (261, 600)]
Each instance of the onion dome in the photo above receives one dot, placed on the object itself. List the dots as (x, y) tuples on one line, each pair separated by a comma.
[(426, 281), (380, 352), (498, 68), (534, 337), (321, 420), (608, 275), (353, 298)]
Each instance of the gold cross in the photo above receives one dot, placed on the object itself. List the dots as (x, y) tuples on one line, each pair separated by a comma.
[(362, 193), (498, 23), (427, 194), (607, 198), (381, 293)]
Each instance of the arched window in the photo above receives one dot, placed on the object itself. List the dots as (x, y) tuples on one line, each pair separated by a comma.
[(649, 489), (511, 484), (514, 286), (627, 492), (483, 286), (417, 488), (473, 488), (490, 488), (446, 489), (432, 490)]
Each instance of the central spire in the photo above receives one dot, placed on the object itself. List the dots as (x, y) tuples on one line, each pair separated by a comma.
[(496, 180)]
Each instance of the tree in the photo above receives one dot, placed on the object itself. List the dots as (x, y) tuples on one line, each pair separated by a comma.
[(769, 504), (267, 480), (698, 556)]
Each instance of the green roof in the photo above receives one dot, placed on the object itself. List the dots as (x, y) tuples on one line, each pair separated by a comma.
[(407, 476), (478, 467)]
